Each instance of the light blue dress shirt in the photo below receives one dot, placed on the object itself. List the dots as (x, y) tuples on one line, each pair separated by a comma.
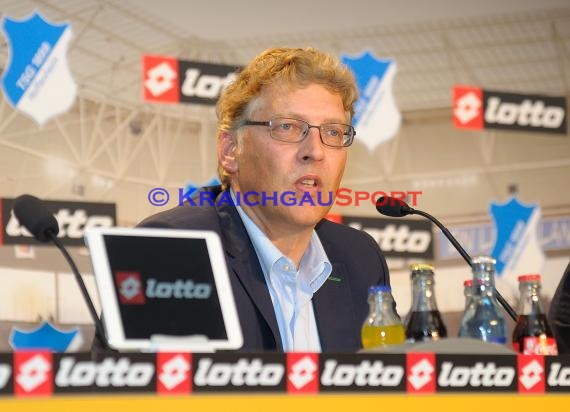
[(291, 289)]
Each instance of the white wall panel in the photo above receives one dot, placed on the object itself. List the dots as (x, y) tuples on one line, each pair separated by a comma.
[(27, 295), (71, 307)]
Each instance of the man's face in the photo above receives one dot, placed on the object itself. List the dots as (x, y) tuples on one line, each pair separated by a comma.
[(308, 167)]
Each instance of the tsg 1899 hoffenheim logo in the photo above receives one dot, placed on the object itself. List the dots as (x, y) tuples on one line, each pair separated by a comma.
[(517, 249), (37, 79), (376, 117)]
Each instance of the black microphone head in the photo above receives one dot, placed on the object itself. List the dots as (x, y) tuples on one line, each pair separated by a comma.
[(390, 206), (32, 214)]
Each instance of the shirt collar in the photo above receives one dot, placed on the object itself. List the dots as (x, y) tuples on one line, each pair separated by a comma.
[(315, 266)]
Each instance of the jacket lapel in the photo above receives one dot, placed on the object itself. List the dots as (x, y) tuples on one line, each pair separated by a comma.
[(245, 265), (334, 312)]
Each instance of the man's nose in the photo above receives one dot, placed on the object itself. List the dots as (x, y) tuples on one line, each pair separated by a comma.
[(312, 146)]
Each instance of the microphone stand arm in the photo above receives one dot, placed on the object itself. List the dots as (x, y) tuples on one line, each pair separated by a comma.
[(447, 234), (99, 333), (511, 312)]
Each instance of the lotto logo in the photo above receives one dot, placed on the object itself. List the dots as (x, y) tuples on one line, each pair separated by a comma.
[(525, 112), (160, 79), (480, 376), (302, 373), (169, 80), (357, 373), (421, 377), (5, 374), (531, 374), (33, 373), (558, 376), (174, 373), (73, 219), (203, 83), (405, 239), (122, 373), (474, 108), (468, 107), (233, 372), (129, 285)]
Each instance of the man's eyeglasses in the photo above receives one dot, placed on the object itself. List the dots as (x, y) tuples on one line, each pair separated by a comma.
[(295, 131)]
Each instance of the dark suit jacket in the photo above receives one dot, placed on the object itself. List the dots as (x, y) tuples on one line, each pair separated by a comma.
[(340, 305), (559, 313)]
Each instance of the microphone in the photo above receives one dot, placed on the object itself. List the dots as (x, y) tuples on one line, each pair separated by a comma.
[(33, 215), (393, 207)]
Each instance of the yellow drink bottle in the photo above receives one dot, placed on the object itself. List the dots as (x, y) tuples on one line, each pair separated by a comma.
[(383, 326)]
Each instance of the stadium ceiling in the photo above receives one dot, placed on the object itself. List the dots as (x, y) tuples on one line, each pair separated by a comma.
[(513, 46)]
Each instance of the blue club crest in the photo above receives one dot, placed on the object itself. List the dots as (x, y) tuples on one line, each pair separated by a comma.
[(376, 117), (516, 239), (46, 337), (190, 187), (37, 80)]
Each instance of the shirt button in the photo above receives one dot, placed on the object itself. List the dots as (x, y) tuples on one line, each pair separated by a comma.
[(287, 268)]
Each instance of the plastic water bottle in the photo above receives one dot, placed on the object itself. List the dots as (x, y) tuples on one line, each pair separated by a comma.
[(383, 326), (483, 318)]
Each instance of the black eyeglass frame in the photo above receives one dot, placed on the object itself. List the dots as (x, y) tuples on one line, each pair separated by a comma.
[(269, 124)]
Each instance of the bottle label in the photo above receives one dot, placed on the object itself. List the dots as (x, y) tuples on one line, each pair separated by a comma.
[(539, 345)]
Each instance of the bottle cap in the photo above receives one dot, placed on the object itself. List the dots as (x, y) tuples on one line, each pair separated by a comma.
[(486, 263), (530, 278), (379, 288), (468, 282), (416, 267), (484, 260)]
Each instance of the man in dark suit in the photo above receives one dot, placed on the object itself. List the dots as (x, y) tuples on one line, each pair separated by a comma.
[(300, 281)]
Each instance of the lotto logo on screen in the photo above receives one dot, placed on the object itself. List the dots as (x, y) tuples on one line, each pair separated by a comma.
[(468, 107), (130, 287), (160, 79)]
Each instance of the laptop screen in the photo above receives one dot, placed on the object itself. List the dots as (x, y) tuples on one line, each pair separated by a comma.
[(162, 282)]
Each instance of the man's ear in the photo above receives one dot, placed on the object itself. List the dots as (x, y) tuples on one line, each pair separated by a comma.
[(227, 149)]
